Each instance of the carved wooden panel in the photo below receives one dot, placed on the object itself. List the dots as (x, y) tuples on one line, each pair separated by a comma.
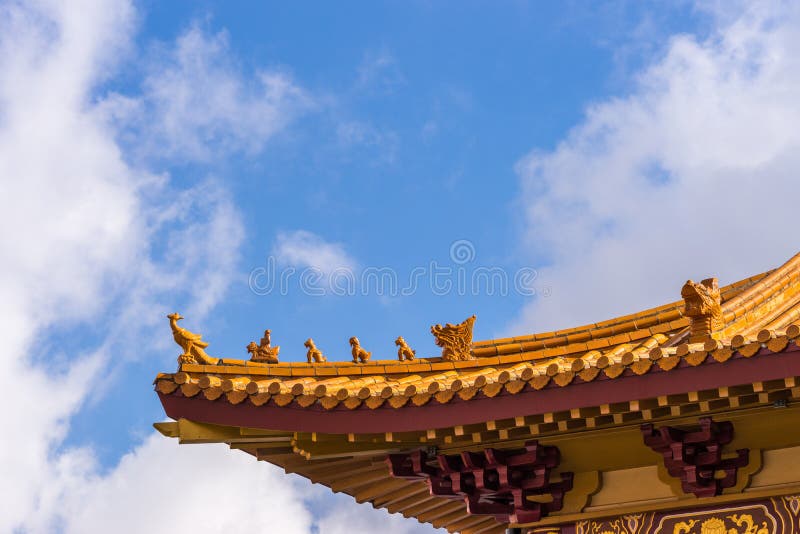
[(511, 485), (695, 456)]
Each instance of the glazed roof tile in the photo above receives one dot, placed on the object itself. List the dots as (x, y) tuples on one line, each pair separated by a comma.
[(758, 312)]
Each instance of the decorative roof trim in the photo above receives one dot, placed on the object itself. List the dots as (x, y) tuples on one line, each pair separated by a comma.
[(665, 371)]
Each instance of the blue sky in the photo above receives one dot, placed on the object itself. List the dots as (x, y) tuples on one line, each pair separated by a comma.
[(415, 121), (162, 156)]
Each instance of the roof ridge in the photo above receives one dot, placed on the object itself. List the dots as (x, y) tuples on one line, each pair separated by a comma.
[(762, 289), (462, 384), (623, 324)]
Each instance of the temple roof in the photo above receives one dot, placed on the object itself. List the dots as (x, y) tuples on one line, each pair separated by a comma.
[(717, 350), (754, 310)]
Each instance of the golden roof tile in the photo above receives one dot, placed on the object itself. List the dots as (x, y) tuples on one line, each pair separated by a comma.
[(760, 313)]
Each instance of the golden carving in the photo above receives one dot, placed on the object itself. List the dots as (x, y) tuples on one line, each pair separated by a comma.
[(702, 303), (635, 522), (359, 354), (742, 524), (745, 519), (792, 503), (749, 525), (620, 525), (404, 352), (686, 526), (313, 354), (192, 344), (264, 351), (455, 339)]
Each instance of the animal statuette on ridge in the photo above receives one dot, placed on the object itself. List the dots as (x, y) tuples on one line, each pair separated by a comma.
[(313, 354), (455, 339), (404, 352), (263, 352), (702, 303), (192, 344), (359, 354)]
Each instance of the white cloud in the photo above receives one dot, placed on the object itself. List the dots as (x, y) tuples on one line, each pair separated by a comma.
[(348, 519), (301, 248), (68, 206), (163, 486), (196, 105), (90, 239), (692, 175)]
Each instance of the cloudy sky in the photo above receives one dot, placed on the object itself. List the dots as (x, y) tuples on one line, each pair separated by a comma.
[(331, 170)]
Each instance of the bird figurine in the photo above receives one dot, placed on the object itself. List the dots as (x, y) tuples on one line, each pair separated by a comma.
[(192, 344)]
